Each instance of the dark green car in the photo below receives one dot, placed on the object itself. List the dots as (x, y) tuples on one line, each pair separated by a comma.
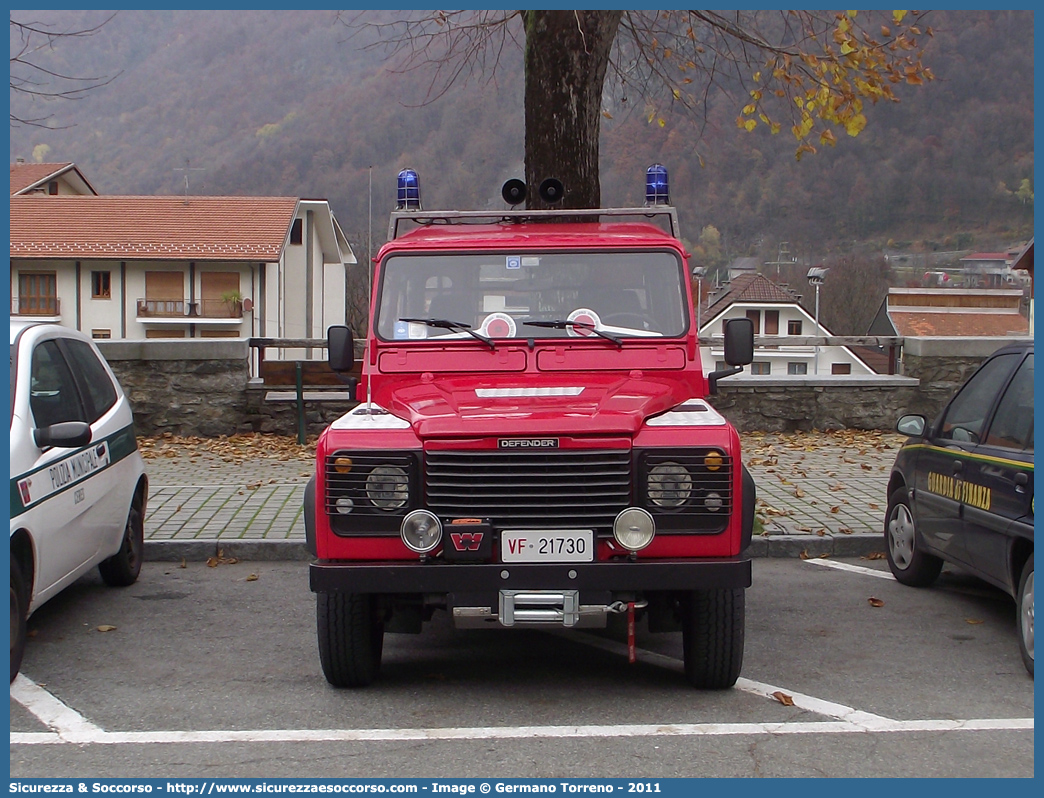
[(961, 489)]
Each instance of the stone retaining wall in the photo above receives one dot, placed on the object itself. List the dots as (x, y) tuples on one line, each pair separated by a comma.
[(203, 387)]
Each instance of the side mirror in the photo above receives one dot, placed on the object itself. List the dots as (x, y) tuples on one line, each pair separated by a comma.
[(66, 435), (912, 425), (739, 342), (340, 348), (739, 350)]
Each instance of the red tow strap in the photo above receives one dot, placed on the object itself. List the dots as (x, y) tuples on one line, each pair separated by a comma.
[(631, 657)]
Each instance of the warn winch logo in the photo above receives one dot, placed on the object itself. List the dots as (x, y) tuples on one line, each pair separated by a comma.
[(527, 443), (466, 541)]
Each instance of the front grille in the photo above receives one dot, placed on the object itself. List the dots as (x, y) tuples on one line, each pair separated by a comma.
[(575, 489)]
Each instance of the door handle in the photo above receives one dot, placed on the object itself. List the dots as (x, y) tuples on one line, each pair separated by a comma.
[(1021, 480), (958, 466)]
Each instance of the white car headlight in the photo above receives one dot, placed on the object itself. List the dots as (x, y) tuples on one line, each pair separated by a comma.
[(388, 487), (669, 485)]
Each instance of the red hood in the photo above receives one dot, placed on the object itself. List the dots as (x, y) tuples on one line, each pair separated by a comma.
[(558, 404)]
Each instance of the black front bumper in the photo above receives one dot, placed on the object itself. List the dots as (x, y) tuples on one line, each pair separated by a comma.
[(327, 576)]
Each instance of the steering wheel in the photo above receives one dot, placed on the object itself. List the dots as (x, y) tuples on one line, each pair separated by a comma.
[(624, 319)]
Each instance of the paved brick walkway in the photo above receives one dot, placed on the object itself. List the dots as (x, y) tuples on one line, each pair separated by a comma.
[(818, 493)]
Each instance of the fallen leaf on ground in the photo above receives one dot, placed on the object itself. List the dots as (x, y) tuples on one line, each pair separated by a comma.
[(875, 602), (874, 555), (972, 620), (783, 698), (221, 559), (252, 578), (106, 628)]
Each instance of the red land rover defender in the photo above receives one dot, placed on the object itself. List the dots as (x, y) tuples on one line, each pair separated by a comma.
[(532, 447)]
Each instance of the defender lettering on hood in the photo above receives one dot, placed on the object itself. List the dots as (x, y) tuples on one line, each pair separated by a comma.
[(527, 443)]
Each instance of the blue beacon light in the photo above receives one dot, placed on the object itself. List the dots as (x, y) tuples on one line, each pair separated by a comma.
[(656, 185), (408, 191)]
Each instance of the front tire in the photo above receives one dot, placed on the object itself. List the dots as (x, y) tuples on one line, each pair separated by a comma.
[(19, 612), (122, 568), (908, 561), (712, 637), (1025, 605), (351, 638)]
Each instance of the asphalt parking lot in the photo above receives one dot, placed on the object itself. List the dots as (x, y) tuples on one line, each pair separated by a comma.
[(207, 672)]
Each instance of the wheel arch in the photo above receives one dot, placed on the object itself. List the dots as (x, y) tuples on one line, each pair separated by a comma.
[(23, 554), (1021, 551), (895, 482)]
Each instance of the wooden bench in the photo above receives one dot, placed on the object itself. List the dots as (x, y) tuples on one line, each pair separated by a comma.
[(305, 381)]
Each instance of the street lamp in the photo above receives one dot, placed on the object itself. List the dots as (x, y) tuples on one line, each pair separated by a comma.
[(816, 276), (697, 273)]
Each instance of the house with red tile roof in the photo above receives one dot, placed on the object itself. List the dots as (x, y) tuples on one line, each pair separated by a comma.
[(134, 267), (48, 178), (777, 313), (951, 312)]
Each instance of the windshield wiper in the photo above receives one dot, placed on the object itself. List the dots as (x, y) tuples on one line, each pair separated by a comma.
[(448, 324), (561, 324)]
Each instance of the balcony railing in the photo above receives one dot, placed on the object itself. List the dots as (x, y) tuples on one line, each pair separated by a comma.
[(179, 308), (36, 306), (161, 307)]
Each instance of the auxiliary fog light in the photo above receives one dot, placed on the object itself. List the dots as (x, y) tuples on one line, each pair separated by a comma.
[(634, 528), (344, 505), (713, 502), (421, 531)]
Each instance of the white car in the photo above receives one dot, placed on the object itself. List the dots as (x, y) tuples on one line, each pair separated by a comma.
[(78, 483)]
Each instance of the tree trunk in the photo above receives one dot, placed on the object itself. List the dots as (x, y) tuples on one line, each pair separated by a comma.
[(567, 53)]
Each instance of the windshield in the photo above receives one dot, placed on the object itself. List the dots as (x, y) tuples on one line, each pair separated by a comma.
[(624, 294)]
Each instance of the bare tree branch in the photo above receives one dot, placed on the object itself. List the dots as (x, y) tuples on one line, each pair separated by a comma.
[(30, 77)]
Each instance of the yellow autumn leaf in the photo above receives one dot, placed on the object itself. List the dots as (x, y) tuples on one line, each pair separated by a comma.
[(846, 48), (855, 125), (827, 137), (106, 628), (607, 115), (897, 16), (661, 122), (750, 124)]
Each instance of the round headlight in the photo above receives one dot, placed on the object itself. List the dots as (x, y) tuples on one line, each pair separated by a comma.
[(421, 531), (634, 528), (669, 485), (387, 487)]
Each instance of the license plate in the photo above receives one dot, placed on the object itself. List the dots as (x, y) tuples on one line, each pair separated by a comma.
[(558, 545)]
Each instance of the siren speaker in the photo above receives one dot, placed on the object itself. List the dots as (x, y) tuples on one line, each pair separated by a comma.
[(514, 191), (552, 191)]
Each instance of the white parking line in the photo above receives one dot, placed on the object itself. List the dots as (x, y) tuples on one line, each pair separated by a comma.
[(855, 569), (70, 727)]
